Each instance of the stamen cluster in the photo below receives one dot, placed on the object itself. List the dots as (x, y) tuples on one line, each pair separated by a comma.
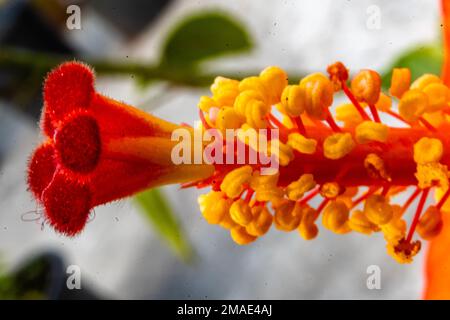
[(356, 168)]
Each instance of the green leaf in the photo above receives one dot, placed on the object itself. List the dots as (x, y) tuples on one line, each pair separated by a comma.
[(420, 60), (202, 36), (155, 207)]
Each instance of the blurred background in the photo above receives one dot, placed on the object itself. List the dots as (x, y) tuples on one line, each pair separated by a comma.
[(160, 56)]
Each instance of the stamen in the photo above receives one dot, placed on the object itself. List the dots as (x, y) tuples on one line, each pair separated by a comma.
[(355, 102), (416, 218), (322, 205), (203, 120), (397, 116), (249, 195), (332, 123), (311, 195), (427, 124), (374, 112), (363, 197), (300, 125), (276, 122)]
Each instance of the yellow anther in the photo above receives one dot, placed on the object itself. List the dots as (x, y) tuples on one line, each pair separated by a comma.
[(395, 230), (240, 212), (432, 174), (403, 251), (248, 135), (366, 86), (206, 103), (228, 118), (227, 222), (438, 96), (401, 78), (330, 190), (244, 99), (302, 144), (319, 92), (258, 180), (269, 193), (293, 100), (225, 90), (241, 236), (378, 210), (430, 224), (348, 114), (413, 104), (255, 114), (428, 150), (288, 215), (375, 167), (214, 206), (234, 181), (308, 228), (338, 145), (296, 189), (255, 84), (282, 152), (261, 223), (308, 231), (335, 217), (358, 222), (266, 187), (368, 131), (275, 80), (347, 196), (424, 80), (384, 103), (285, 120)]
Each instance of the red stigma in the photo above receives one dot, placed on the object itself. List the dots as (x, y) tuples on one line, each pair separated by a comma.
[(78, 143), (68, 87), (41, 169), (67, 204)]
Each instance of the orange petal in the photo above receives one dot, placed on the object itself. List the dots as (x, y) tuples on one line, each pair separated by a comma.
[(437, 268), (445, 7)]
